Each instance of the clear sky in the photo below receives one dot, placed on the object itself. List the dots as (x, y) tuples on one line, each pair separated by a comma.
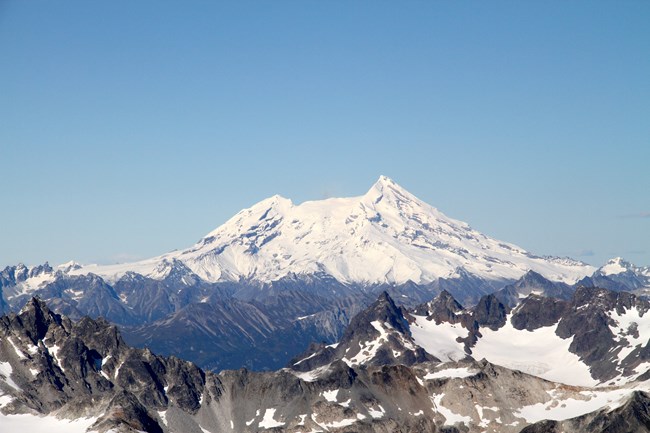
[(131, 128)]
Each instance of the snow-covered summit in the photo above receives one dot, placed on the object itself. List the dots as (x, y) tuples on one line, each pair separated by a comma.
[(386, 235), (616, 266)]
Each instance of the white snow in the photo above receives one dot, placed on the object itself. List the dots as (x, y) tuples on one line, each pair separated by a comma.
[(614, 266), (268, 421), (16, 349), (377, 413), (451, 417), (312, 375), (305, 359), (622, 330), (559, 409), (540, 353), (43, 424), (330, 395), (163, 416), (439, 340), (33, 283), (368, 350), (5, 400), (54, 350), (117, 371), (459, 372), (384, 236), (6, 371)]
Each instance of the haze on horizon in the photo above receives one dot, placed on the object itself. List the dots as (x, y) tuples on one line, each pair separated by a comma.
[(131, 129)]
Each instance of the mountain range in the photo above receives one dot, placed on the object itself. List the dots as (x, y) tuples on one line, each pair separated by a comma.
[(394, 370), (277, 276)]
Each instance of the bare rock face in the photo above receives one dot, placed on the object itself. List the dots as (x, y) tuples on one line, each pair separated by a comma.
[(533, 283), (443, 308), (536, 311), (375, 380), (379, 335), (490, 312)]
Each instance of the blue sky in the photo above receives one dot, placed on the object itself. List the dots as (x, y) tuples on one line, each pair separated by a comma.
[(128, 129)]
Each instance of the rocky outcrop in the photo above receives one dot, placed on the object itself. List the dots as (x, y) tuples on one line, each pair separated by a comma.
[(378, 335)]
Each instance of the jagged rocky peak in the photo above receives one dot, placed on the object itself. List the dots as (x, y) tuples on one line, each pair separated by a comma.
[(383, 310), (536, 311), (533, 278), (443, 308), (12, 275), (69, 266), (605, 300), (173, 270), (36, 318), (378, 335), (490, 312)]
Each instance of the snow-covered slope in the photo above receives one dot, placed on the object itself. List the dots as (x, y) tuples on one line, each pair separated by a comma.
[(626, 273), (385, 236)]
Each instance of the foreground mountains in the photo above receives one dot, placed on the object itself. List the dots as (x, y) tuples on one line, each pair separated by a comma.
[(391, 371)]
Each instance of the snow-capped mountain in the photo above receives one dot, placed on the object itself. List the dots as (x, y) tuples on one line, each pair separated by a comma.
[(620, 275), (386, 236), (625, 273)]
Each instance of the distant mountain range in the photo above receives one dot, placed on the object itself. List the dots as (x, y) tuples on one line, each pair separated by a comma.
[(278, 276)]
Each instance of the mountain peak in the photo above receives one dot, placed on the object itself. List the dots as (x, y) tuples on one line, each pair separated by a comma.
[(616, 265), (385, 180), (387, 186), (384, 236)]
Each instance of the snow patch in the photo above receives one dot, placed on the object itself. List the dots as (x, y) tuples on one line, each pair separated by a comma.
[(540, 352), (439, 340), (564, 408), (163, 416), (626, 326), (44, 424), (451, 372), (6, 371), (377, 413), (19, 352), (312, 375), (268, 421), (451, 417), (330, 395)]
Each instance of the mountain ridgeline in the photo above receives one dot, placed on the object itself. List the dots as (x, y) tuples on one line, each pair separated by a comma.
[(392, 370), (277, 276)]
